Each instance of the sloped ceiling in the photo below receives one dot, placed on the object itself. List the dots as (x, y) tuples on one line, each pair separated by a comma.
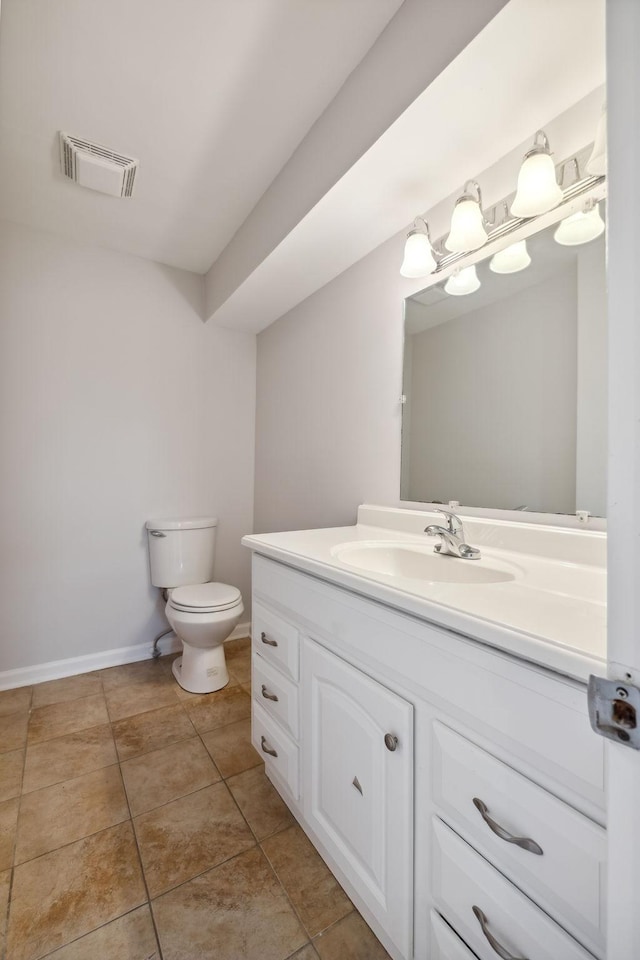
[(212, 96)]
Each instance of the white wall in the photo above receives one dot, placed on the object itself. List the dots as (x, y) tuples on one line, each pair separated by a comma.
[(493, 403), (328, 412), (118, 404)]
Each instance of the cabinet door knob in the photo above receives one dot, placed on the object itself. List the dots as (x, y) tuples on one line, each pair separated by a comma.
[(495, 945), (390, 741), (267, 749), (267, 695), (265, 639), (499, 831)]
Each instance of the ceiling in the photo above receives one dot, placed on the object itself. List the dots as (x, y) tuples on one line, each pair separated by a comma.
[(212, 97)]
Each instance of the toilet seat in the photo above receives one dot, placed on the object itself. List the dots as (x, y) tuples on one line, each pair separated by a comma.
[(204, 598)]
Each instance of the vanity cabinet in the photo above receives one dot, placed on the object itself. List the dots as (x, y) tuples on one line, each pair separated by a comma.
[(358, 782), (489, 750)]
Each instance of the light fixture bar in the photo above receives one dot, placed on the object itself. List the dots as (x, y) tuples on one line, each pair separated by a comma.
[(504, 229)]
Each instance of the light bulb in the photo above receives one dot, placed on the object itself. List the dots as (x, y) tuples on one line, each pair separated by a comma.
[(538, 190), (463, 282), (511, 259), (467, 223), (418, 256), (597, 162), (580, 227)]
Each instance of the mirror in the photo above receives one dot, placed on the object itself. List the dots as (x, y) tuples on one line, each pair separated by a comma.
[(506, 387)]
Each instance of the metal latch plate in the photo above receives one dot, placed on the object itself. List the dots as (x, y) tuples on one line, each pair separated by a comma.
[(614, 710)]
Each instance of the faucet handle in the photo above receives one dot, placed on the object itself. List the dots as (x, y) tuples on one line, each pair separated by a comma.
[(454, 523)]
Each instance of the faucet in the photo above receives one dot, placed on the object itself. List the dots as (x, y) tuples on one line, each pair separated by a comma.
[(452, 541)]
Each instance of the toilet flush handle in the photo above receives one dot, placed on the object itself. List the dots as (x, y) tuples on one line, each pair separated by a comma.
[(156, 533)]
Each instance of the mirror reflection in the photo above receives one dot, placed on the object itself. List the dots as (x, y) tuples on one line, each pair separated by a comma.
[(505, 378)]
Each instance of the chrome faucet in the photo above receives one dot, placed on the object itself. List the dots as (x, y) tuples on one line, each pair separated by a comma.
[(452, 541)]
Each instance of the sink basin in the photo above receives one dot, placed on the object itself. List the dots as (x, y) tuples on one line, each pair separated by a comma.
[(414, 563)]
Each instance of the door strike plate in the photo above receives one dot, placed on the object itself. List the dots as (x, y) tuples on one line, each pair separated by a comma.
[(614, 710)]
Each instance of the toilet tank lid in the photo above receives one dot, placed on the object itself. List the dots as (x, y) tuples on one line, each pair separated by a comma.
[(182, 523)]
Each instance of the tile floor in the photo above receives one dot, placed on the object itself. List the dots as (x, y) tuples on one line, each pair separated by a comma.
[(136, 823)]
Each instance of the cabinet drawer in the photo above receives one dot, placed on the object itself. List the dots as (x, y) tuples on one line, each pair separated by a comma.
[(276, 695), (275, 639), (267, 736), (568, 878), (462, 880), (445, 944)]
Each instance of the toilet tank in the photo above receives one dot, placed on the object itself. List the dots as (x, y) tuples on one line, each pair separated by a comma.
[(181, 551)]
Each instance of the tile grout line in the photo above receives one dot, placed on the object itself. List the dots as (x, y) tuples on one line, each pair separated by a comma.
[(135, 840)]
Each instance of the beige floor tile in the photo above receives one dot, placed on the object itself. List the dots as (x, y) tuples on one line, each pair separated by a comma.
[(215, 710), (11, 765), (231, 748), (68, 757), (135, 698), (15, 701), (57, 815), (138, 672), (188, 836), (236, 912), (350, 939), (312, 888), (235, 648), (13, 731), (161, 776), (58, 719), (5, 886), (69, 688), (66, 894), (151, 731), (265, 811), (131, 937), (307, 953), (8, 822), (240, 667)]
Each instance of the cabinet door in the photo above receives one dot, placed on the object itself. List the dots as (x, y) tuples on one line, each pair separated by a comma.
[(358, 793)]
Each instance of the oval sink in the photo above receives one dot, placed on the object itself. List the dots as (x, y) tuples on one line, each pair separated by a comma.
[(402, 560)]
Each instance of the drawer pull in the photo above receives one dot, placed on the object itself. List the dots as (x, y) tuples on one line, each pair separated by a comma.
[(267, 695), (493, 943), (265, 639), (267, 749), (499, 831), (390, 742)]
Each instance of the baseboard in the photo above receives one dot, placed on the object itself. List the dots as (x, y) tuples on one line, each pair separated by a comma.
[(56, 669)]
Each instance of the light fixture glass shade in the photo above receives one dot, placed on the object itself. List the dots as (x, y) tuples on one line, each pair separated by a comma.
[(511, 259), (580, 227), (597, 162), (418, 256), (463, 282), (538, 190), (467, 227)]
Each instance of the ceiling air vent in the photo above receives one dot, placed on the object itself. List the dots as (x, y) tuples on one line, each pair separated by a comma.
[(97, 167)]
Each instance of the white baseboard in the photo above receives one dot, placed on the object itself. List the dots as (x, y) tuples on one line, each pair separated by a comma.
[(56, 669)]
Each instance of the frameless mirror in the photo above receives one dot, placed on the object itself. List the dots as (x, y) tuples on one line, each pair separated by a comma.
[(506, 386)]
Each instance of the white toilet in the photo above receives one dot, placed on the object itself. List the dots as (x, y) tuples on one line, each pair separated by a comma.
[(202, 614)]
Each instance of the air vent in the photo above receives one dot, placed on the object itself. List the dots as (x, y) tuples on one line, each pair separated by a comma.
[(96, 167)]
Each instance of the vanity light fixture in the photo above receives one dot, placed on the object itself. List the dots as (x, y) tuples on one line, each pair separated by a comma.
[(511, 259), (463, 282), (597, 162), (538, 190), (419, 260), (467, 223), (580, 227)]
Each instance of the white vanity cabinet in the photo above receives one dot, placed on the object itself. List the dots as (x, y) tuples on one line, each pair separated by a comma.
[(488, 749), (358, 783)]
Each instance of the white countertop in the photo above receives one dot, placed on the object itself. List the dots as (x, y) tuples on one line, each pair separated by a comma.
[(553, 613)]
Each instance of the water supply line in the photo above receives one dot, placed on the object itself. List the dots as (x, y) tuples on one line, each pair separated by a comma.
[(165, 633)]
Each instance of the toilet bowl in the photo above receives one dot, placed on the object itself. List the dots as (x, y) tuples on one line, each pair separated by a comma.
[(203, 615)]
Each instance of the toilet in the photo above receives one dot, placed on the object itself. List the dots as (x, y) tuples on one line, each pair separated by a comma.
[(202, 613)]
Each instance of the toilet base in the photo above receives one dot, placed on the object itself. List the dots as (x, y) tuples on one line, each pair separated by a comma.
[(201, 670)]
